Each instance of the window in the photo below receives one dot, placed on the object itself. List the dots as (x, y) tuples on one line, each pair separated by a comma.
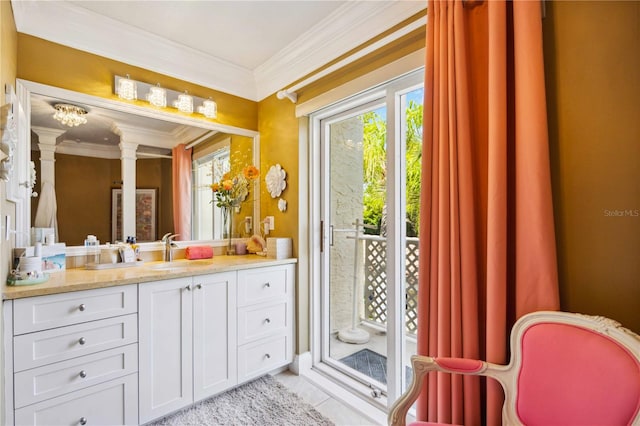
[(207, 217)]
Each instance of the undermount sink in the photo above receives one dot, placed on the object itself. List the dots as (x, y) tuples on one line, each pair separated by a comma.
[(166, 265), (178, 264), (175, 264)]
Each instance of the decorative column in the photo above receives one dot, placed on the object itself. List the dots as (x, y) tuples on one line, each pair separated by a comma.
[(47, 145), (46, 213), (128, 159)]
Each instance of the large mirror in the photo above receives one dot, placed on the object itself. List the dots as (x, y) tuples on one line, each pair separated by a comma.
[(86, 164)]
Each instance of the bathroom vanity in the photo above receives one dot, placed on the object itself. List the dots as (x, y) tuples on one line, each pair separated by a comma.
[(127, 346)]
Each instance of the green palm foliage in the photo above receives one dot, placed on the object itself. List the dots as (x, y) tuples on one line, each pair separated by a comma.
[(375, 167)]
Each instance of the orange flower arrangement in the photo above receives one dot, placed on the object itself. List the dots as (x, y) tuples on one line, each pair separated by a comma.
[(231, 191)]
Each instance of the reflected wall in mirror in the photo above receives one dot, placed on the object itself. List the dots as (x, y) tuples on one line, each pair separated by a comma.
[(83, 186), (86, 162)]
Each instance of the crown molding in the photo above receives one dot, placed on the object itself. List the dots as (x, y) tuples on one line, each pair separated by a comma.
[(90, 32), (346, 28), (86, 149)]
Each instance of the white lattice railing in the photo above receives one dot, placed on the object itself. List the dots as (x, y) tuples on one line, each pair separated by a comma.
[(375, 282)]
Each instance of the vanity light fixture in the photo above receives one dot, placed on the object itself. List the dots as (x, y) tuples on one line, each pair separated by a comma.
[(184, 103), (157, 96), (127, 89), (70, 115), (209, 109)]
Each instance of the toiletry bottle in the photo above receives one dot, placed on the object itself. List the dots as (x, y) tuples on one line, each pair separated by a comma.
[(92, 246)]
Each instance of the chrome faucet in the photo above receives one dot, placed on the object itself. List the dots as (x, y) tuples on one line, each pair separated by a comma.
[(167, 241)]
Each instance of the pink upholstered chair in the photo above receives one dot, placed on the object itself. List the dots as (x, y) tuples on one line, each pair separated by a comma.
[(565, 369)]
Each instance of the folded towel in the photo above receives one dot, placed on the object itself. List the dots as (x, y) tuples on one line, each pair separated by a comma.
[(198, 252)]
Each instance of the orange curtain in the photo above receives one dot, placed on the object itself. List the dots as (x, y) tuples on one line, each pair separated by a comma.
[(181, 170), (487, 244)]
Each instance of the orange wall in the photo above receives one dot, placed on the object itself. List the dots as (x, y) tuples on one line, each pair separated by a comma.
[(592, 55)]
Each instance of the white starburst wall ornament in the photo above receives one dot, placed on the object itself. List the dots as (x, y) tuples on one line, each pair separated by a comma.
[(275, 180)]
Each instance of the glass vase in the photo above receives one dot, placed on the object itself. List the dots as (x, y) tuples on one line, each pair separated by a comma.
[(228, 226)]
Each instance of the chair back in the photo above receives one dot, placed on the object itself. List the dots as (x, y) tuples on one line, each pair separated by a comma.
[(566, 369), (573, 369)]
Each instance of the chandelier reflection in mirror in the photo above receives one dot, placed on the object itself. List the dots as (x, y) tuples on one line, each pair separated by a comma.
[(70, 115)]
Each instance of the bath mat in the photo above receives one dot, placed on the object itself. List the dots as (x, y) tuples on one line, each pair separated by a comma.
[(263, 401), (371, 364)]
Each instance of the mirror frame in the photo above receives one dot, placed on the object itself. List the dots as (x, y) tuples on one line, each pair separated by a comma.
[(22, 197)]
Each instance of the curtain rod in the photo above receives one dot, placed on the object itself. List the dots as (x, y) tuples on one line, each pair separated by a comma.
[(151, 154), (420, 22)]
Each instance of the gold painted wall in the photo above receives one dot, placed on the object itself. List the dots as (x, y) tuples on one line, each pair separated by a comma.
[(8, 69), (592, 61), (8, 65), (279, 145), (56, 65)]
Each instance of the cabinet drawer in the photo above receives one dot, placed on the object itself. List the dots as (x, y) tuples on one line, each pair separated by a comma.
[(110, 403), (38, 384), (256, 322), (56, 310), (45, 347), (264, 284), (261, 357)]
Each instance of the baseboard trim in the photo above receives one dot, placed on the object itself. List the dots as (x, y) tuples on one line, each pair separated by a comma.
[(301, 364)]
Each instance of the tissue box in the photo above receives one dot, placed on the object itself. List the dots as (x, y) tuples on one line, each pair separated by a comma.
[(279, 248), (53, 256)]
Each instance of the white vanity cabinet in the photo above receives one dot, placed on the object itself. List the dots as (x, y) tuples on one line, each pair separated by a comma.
[(265, 319), (187, 349), (205, 334), (131, 354), (72, 358)]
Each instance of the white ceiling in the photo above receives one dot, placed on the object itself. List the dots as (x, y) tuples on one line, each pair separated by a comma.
[(250, 48)]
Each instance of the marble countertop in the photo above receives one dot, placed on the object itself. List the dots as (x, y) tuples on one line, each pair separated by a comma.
[(84, 279)]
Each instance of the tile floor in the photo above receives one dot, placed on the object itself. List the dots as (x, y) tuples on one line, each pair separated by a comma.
[(377, 343), (334, 410)]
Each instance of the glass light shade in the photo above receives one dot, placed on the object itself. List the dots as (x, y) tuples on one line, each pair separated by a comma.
[(184, 103), (70, 115), (157, 96), (127, 89), (209, 109)]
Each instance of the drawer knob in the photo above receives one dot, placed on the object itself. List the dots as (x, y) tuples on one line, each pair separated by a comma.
[(267, 284), (82, 341), (199, 286), (83, 374), (188, 288), (267, 320), (82, 307), (267, 356), (83, 420)]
